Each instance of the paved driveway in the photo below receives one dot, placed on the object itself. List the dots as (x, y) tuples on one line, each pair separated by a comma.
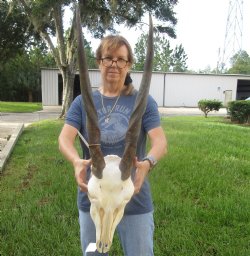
[(54, 112), (27, 118)]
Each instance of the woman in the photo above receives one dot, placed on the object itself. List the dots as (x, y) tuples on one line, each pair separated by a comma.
[(114, 103)]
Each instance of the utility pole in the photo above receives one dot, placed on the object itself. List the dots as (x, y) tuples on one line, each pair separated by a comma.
[(233, 35)]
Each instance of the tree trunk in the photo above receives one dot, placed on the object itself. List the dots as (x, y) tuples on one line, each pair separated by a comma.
[(64, 53), (30, 96), (68, 77)]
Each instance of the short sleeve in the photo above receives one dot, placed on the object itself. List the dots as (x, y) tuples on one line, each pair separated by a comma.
[(75, 114), (151, 117)]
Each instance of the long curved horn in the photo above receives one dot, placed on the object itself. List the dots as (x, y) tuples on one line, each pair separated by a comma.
[(134, 128), (98, 162)]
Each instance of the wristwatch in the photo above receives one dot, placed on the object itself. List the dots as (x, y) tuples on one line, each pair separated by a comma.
[(152, 161)]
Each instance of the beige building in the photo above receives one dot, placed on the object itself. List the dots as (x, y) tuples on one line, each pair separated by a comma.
[(168, 89)]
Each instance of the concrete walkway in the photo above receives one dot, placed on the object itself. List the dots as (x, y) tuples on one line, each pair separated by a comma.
[(11, 127), (9, 134), (53, 112)]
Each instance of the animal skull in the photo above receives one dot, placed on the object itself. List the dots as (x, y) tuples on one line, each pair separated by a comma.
[(110, 187), (108, 197)]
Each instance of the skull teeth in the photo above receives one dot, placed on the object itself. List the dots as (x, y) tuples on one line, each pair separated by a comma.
[(102, 246)]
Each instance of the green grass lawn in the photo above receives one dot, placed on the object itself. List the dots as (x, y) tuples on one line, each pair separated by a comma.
[(18, 107), (201, 192)]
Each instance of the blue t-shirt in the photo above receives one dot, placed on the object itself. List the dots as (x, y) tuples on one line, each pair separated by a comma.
[(113, 138)]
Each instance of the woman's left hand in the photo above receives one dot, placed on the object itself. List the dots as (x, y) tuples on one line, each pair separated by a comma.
[(142, 169)]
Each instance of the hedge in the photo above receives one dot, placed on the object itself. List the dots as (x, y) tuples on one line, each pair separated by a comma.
[(239, 111)]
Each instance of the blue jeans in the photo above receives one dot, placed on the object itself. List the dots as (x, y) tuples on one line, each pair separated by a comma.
[(135, 233)]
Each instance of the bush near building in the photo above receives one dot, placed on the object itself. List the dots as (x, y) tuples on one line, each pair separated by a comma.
[(239, 111), (207, 106)]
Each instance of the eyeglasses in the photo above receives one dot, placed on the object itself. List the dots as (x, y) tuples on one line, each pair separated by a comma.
[(108, 62)]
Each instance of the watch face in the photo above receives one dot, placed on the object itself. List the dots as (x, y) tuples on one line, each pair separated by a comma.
[(152, 160)]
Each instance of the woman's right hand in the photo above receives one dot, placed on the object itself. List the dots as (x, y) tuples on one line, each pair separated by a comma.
[(81, 166)]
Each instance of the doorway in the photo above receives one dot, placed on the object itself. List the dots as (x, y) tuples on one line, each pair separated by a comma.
[(76, 92), (243, 89)]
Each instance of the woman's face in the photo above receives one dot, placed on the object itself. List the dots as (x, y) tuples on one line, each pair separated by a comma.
[(113, 74)]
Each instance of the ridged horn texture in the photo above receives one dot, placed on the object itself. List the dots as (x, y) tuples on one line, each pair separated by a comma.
[(134, 128), (98, 163)]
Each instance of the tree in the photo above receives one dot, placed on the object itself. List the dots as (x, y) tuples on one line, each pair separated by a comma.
[(163, 54), (91, 60), (179, 59), (13, 33), (165, 58), (20, 79), (206, 70), (207, 106), (140, 53), (97, 16), (240, 63)]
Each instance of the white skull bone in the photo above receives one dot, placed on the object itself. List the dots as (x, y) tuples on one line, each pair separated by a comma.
[(108, 197)]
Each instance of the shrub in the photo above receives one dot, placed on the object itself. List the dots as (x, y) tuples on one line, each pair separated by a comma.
[(209, 105), (239, 111)]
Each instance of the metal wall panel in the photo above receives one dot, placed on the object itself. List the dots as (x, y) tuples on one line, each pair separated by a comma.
[(168, 89), (49, 87), (95, 78), (185, 90), (156, 87)]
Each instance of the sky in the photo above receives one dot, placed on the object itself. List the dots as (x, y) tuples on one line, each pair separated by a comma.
[(201, 30)]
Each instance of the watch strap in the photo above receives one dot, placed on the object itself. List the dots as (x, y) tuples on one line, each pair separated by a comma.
[(152, 161)]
